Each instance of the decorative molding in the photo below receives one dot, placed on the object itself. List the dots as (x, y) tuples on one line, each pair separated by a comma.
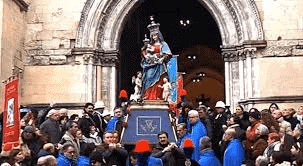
[(258, 19), (106, 15), (235, 19), (273, 99), (22, 4), (83, 18), (234, 53), (110, 58)]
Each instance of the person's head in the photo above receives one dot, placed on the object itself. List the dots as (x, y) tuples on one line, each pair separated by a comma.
[(273, 137), (15, 155), (79, 134), (97, 158), (48, 160), (163, 137), (220, 107), (276, 114), (69, 151), (262, 161), (92, 129), (116, 137), (118, 112), (181, 130), (165, 80), (239, 110), (86, 149), (139, 74), (193, 116), (287, 112), (188, 147), (205, 143), (187, 106), (261, 130), (74, 117), (272, 107), (63, 120), (133, 158), (53, 115), (89, 108), (108, 137), (231, 120), (72, 127), (99, 106), (202, 110), (106, 115), (229, 134), (28, 133), (155, 37), (254, 115), (142, 146)]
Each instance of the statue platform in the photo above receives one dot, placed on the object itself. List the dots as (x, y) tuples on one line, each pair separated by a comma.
[(146, 120)]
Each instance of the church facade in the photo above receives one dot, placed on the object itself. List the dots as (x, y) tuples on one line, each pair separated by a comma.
[(67, 52)]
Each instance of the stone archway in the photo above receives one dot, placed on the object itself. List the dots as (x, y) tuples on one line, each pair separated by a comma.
[(102, 22)]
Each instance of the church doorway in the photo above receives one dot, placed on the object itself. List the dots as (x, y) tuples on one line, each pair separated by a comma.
[(191, 33)]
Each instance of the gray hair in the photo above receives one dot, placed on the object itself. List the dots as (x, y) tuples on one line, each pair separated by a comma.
[(263, 129), (262, 161), (194, 112)]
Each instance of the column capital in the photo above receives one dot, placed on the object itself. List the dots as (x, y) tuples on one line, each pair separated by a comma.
[(110, 58)]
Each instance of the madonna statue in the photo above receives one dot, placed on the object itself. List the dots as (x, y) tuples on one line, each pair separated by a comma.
[(154, 55)]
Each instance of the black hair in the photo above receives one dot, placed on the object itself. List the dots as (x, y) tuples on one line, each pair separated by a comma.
[(162, 132), (73, 116), (87, 148), (66, 146), (69, 124), (88, 104)]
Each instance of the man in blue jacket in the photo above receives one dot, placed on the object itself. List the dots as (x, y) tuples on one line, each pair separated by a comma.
[(234, 154), (67, 158), (198, 131), (207, 155), (182, 134)]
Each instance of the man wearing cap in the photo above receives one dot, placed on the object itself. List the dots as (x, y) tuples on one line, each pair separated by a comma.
[(197, 131), (188, 149), (51, 126), (97, 117), (143, 151), (219, 121), (107, 115)]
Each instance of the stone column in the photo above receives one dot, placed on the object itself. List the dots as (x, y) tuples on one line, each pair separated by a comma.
[(109, 62), (249, 74), (86, 57), (241, 77), (227, 83)]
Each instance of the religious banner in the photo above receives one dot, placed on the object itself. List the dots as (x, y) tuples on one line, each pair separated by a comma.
[(11, 116), (172, 69)]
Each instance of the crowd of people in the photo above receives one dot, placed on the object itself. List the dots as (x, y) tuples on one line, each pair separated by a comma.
[(206, 136)]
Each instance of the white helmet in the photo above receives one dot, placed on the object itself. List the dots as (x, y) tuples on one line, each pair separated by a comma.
[(99, 104), (220, 104)]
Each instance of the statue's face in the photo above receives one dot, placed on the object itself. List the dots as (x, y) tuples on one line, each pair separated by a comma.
[(155, 37)]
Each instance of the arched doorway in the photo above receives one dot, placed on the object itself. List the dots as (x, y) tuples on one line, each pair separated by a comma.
[(189, 30), (103, 22)]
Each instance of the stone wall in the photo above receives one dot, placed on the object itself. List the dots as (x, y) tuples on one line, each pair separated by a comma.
[(12, 41)]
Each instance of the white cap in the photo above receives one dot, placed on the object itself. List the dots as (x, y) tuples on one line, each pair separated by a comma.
[(220, 104), (51, 112), (99, 104), (106, 112)]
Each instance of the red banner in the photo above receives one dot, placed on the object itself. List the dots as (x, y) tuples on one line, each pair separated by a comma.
[(11, 116)]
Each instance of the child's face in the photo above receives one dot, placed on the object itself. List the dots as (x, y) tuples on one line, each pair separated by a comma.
[(139, 75), (165, 80)]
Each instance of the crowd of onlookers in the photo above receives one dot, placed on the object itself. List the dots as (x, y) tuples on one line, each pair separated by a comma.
[(206, 136)]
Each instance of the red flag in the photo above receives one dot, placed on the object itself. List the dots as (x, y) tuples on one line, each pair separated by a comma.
[(11, 116)]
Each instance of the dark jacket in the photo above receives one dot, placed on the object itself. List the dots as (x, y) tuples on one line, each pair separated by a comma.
[(169, 158), (115, 156), (52, 130)]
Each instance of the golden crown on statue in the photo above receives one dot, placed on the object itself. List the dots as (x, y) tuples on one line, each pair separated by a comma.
[(153, 27)]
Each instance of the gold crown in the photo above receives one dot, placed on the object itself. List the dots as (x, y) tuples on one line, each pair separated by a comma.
[(153, 27)]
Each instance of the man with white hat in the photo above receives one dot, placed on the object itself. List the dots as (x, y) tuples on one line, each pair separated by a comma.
[(51, 126), (97, 117), (218, 131)]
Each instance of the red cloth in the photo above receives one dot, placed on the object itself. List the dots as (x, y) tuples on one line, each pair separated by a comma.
[(154, 92)]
